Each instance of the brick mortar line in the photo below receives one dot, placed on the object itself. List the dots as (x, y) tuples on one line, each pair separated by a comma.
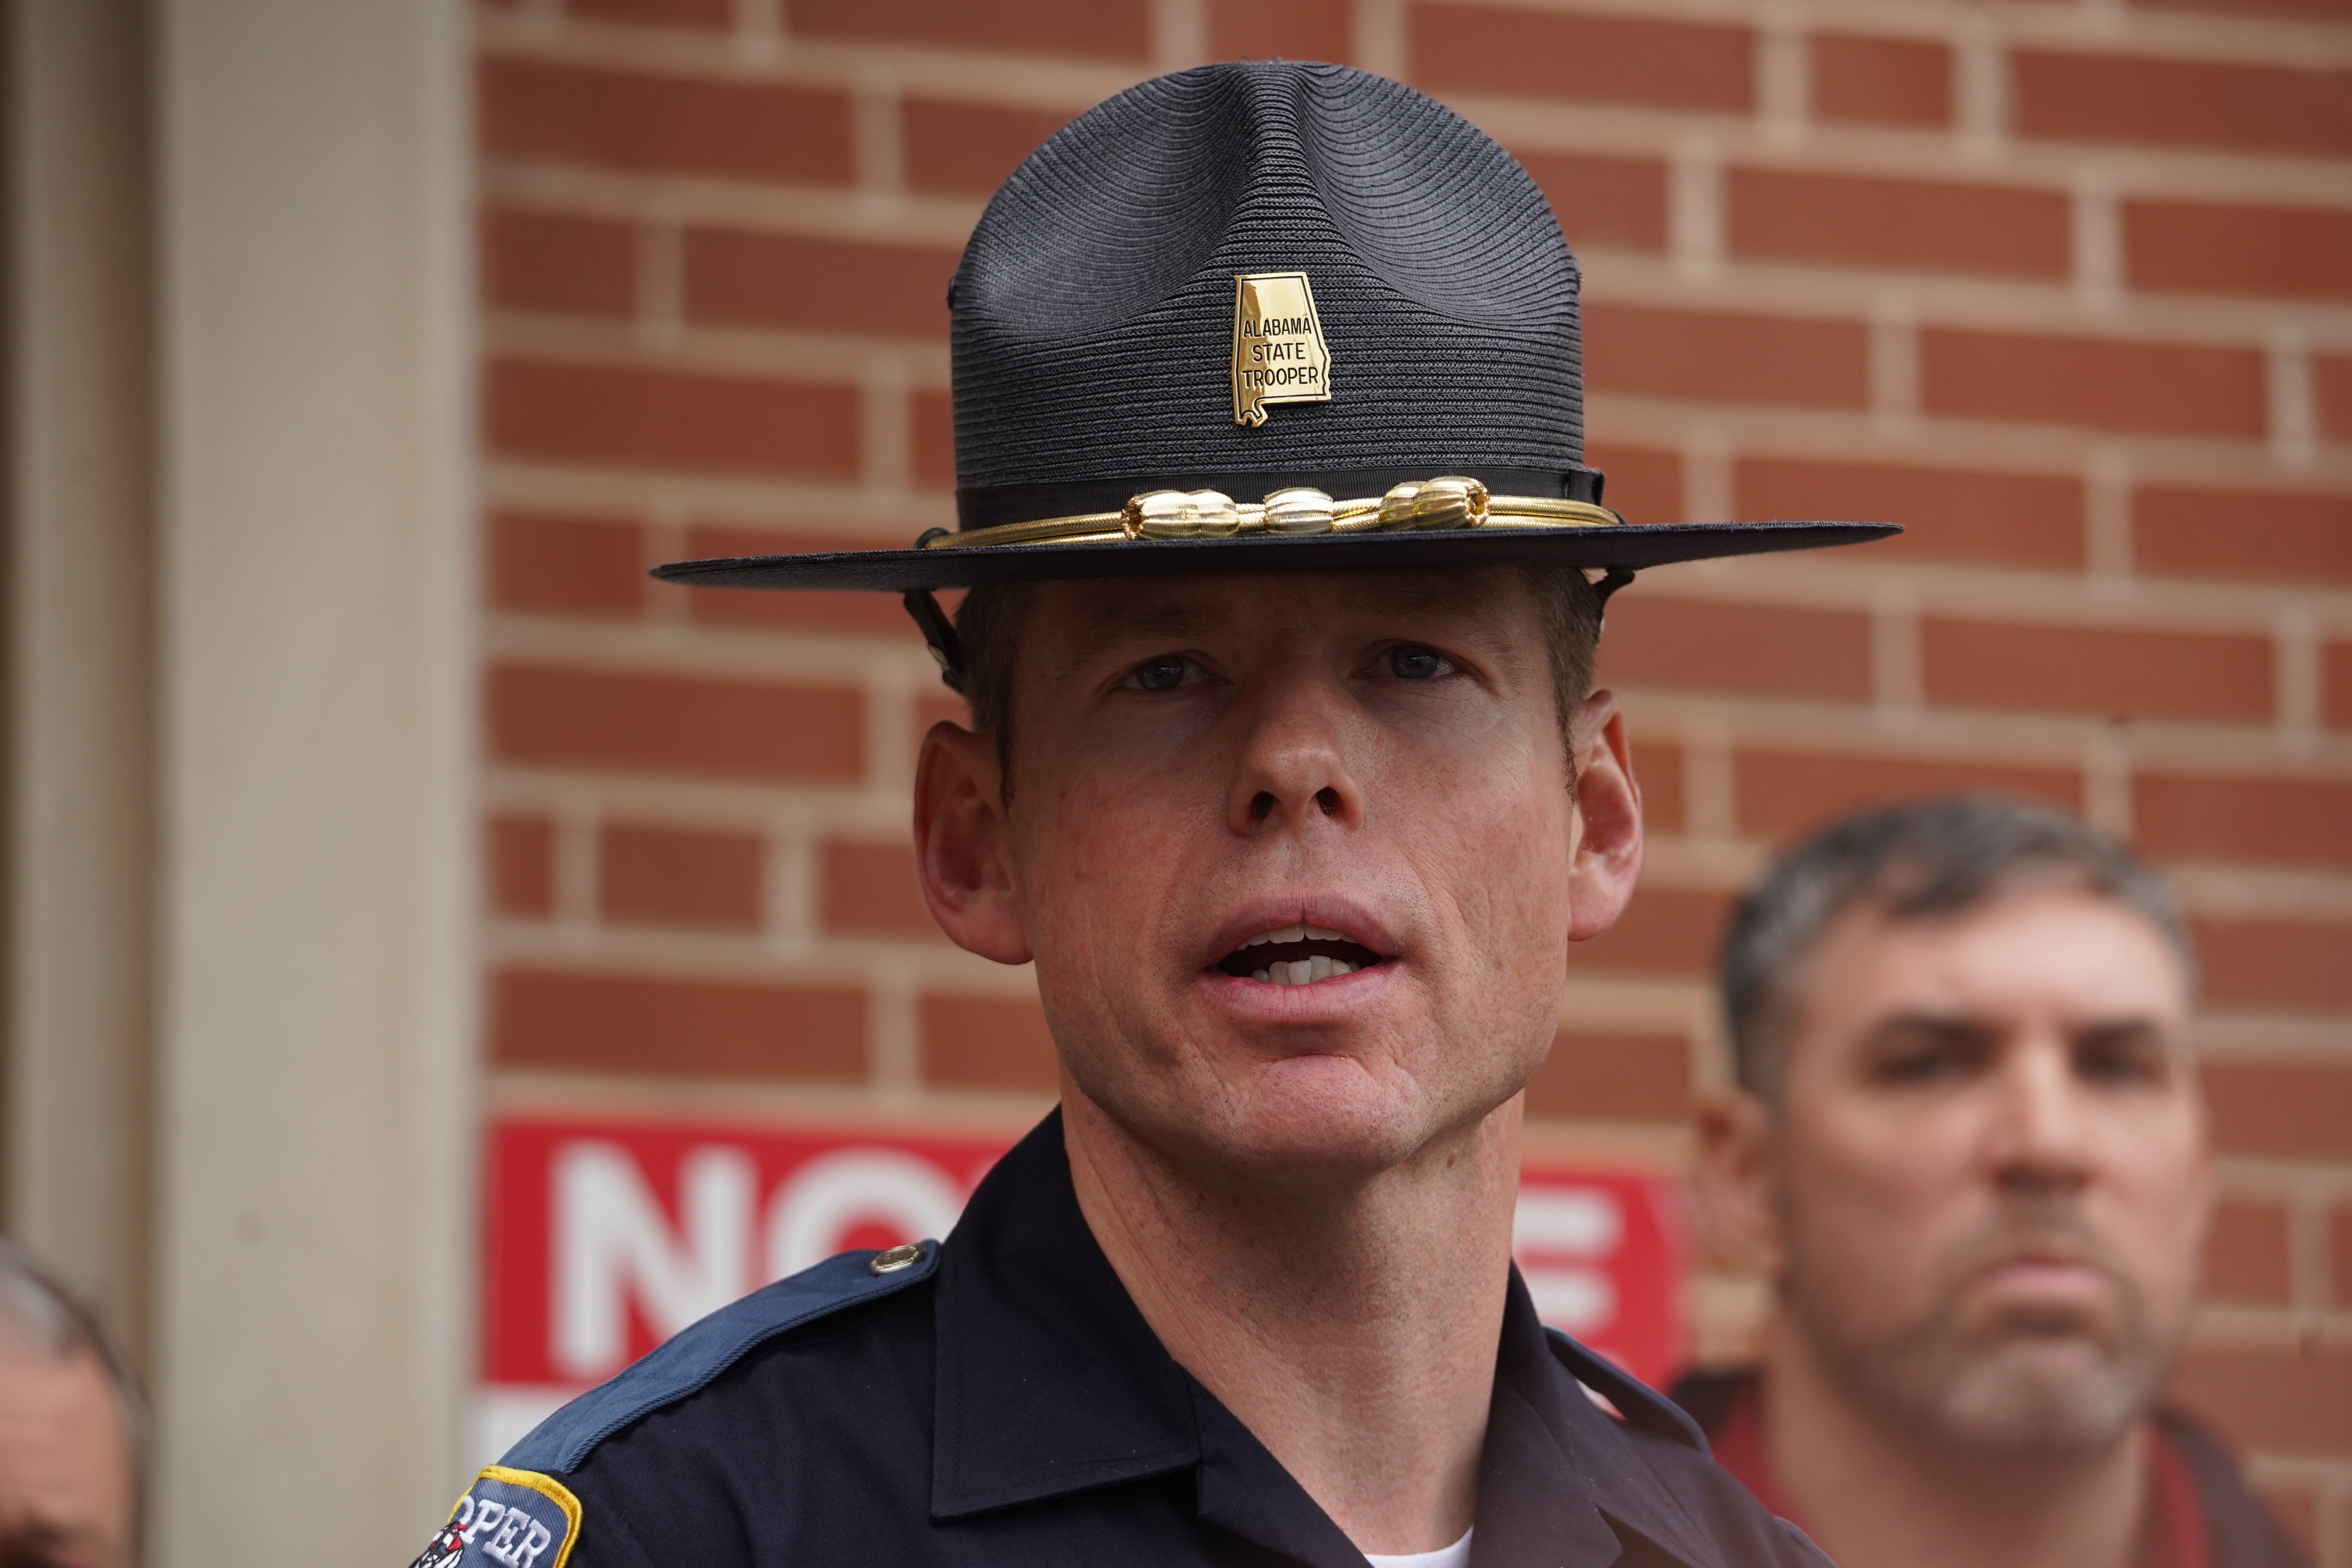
[(1631, 995), (2236, 888), (1660, 1149), (2136, 173), (2010, 737), (2273, 1038), (811, 658), (2014, 596), (2327, 904), (1691, 858), (1638, 420), (825, 961), (891, 518), (1894, 152), (1954, 301), (2128, 31), (973, 74), (2131, 33), (2319, 900), (825, 211), (1601, 1006), (760, 353), (687, 802), (2291, 1184), (724, 1101), (2252, 1328)]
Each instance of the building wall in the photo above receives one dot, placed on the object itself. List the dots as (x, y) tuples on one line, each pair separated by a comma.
[(2064, 286)]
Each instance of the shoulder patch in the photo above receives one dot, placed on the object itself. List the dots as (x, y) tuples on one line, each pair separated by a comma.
[(693, 1358), (1638, 1404), (508, 1518)]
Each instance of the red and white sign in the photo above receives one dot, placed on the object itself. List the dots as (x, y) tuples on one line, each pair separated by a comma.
[(603, 1238)]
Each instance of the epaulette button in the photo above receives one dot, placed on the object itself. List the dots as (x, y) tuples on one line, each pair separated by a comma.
[(891, 1260)]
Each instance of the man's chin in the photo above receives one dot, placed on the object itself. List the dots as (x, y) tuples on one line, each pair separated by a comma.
[(2043, 1395), (1310, 1118)]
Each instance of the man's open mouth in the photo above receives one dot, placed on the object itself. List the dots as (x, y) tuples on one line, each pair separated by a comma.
[(1297, 955)]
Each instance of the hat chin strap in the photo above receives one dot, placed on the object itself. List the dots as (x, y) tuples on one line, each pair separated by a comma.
[(947, 648), (939, 636), (1612, 578)]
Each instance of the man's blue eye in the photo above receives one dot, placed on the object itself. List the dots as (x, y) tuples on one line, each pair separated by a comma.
[(1161, 673), (1412, 663)]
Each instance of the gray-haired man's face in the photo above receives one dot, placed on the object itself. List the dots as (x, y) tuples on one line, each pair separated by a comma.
[(1990, 1175), (65, 1458)]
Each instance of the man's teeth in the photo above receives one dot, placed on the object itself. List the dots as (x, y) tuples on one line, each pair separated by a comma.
[(1304, 971), (1295, 934)]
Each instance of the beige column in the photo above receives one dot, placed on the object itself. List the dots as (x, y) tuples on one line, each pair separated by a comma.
[(316, 1019), (80, 797)]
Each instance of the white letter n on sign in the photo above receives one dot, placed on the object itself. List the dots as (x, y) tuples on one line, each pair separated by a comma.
[(613, 1241)]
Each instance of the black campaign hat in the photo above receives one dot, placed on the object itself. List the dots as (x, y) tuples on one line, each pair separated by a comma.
[(1261, 317)]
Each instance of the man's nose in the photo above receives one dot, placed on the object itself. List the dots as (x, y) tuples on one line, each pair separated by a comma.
[(1293, 767), (2041, 1138)]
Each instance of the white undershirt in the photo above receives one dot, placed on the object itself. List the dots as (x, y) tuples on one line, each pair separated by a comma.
[(1454, 1556)]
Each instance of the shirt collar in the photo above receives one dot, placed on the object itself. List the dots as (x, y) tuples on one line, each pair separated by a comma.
[(1050, 1382)]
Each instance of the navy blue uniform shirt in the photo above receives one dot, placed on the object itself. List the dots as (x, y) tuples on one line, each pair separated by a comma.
[(1003, 1403)]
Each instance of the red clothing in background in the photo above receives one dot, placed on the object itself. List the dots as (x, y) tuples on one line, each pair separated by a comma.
[(2200, 1514)]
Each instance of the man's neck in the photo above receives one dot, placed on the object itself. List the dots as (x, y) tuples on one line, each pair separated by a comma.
[(1353, 1327), (1878, 1493)]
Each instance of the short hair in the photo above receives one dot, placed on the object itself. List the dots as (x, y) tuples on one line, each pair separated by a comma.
[(61, 1322), (992, 618), (1917, 861)]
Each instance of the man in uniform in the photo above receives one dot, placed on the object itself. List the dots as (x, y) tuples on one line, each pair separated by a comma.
[(1968, 1148), (1286, 772)]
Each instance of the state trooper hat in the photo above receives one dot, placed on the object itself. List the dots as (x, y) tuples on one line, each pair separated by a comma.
[(1265, 317)]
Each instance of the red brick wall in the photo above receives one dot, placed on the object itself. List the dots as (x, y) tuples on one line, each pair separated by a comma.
[(2064, 286)]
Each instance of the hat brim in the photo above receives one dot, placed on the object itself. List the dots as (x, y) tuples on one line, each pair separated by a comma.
[(1631, 548)]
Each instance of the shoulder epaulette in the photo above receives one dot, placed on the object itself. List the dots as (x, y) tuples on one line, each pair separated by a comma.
[(691, 1359), (1638, 1404)]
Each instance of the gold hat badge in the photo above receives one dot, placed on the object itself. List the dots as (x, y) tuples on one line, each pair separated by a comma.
[(1279, 354)]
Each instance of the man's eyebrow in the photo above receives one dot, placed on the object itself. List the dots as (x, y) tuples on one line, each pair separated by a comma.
[(2117, 1027), (1105, 618), (1937, 1022)]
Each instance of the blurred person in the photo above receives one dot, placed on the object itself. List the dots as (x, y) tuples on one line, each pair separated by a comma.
[(1296, 803), (1968, 1147), (71, 1427)]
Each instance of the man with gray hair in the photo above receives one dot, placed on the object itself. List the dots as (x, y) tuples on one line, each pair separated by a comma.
[(72, 1427), (1968, 1148)]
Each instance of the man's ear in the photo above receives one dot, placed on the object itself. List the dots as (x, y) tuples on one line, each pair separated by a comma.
[(962, 850), (1609, 811), (1732, 1182)]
